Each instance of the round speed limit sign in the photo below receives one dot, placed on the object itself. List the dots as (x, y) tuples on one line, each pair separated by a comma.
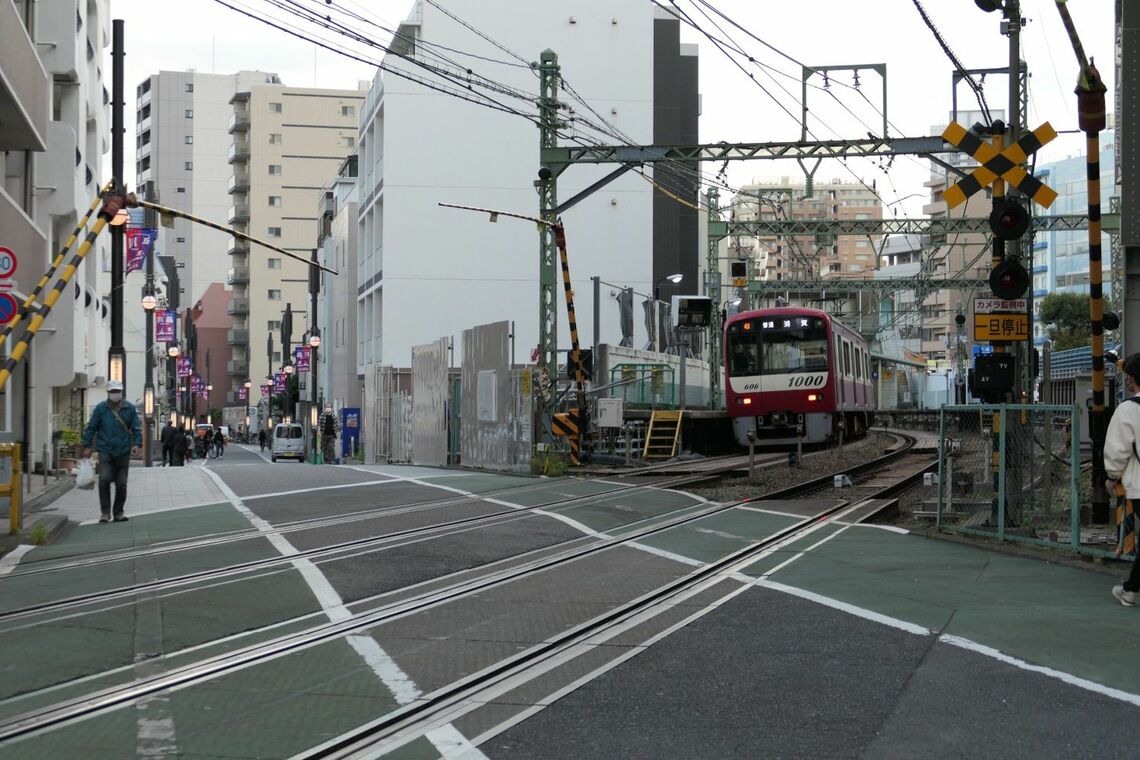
[(7, 263)]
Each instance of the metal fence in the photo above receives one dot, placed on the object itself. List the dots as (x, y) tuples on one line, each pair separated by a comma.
[(1013, 472)]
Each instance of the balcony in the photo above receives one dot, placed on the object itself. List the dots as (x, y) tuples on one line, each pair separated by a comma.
[(237, 367), (237, 337), (239, 182), (238, 306), (238, 152), (25, 105), (237, 247), (239, 122), (237, 276), (239, 213)]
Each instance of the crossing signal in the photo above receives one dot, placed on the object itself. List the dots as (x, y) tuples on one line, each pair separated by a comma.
[(1111, 320), (1009, 280), (1009, 220)]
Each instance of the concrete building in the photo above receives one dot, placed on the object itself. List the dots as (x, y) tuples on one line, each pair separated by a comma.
[(340, 382), (426, 272), (54, 128), (286, 143), (961, 254), (777, 258), (212, 325), (182, 146), (1061, 259)]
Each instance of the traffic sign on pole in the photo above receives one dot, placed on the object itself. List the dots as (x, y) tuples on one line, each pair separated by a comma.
[(7, 263), (8, 308)]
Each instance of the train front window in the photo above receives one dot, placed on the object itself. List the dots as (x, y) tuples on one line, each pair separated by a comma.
[(743, 354), (793, 344)]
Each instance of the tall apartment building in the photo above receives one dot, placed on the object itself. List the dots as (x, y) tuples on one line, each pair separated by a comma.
[(801, 257), (54, 119), (626, 61), (1061, 258), (286, 144), (182, 145), (953, 255)]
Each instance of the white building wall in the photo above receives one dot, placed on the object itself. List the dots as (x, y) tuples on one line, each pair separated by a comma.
[(69, 354), (446, 270)]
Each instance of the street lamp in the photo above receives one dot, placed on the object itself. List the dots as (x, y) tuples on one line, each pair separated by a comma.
[(673, 278), (149, 302), (173, 351)]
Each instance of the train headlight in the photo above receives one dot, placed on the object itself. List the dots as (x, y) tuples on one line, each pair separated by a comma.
[(746, 401), (813, 397)]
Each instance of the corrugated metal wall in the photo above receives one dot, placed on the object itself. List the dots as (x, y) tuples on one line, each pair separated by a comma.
[(495, 428), (429, 398)]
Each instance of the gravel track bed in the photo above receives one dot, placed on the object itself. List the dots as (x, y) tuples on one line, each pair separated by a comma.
[(781, 476)]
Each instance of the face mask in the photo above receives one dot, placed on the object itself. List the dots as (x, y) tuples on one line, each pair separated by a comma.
[(114, 397)]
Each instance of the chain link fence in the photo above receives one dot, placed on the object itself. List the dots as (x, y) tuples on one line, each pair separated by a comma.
[(1013, 472)]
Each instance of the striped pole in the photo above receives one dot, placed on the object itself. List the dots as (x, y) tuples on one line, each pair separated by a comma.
[(582, 417), (69, 271), (1091, 119), (167, 211), (23, 312)]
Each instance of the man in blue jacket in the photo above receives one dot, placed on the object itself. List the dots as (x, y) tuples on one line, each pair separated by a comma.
[(116, 433)]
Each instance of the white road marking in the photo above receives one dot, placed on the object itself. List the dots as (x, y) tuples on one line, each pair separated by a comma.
[(385, 668), (9, 561), (320, 488), (850, 609), (891, 528), (772, 512)]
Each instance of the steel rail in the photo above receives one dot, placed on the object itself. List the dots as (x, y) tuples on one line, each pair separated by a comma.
[(111, 697)]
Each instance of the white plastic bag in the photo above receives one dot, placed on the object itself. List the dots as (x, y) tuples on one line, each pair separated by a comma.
[(85, 477)]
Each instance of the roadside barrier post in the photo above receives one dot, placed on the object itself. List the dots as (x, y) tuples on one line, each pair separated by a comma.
[(11, 488)]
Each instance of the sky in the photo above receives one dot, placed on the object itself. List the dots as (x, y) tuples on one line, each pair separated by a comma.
[(208, 37)]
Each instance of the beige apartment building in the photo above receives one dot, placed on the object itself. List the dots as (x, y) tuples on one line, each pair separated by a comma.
[(288, 143), (777, 258)]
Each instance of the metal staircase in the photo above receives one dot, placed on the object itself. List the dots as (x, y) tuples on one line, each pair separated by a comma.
[(664, 435)]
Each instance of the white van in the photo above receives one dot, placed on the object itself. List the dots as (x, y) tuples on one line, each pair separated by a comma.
[(288, 442)]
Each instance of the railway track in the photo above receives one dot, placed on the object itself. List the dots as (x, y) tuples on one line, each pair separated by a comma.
[(496, 574)]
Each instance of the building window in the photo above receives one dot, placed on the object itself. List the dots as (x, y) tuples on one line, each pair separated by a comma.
[(180, 240), (275, 200), (276, 357), (179, 189), (274, 295), (189, 139), (275, 170), (274, 232), (188, 166), (274, 108), (189, 87), (346, 142), (274, 138), (189, 113), (348, 110), (274, 325), (274, 263)]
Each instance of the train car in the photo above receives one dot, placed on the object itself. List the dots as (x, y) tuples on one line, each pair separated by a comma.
[(788, 369)]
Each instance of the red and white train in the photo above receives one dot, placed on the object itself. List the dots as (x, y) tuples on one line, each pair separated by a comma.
[(792, 368)]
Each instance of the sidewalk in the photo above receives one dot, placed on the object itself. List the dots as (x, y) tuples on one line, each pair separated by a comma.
[(149, 490)]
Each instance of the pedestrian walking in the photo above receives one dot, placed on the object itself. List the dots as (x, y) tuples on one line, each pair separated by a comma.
[(115, 431), (261, 439), (219, 443), (1122, 463), (167, 438), (181, 446)]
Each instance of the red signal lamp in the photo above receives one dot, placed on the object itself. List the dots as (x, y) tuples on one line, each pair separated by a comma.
[(1009, 220), (1009, 279)]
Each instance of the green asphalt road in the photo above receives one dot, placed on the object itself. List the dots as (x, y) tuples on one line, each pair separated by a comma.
[(1051, 615)]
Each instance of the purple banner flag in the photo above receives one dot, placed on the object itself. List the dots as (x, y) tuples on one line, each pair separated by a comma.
[(196, 385), (266, 390), (243, 393), (140, 242), (184, 366), (301, 358), (164, 320), (279, 382)]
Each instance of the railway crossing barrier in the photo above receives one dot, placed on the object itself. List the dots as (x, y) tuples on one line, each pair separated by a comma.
[(1013, 472), (10, 485)]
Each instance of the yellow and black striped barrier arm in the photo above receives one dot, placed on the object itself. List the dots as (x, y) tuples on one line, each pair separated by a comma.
[(172, 212), (575, 347), (31, 299), (69, 271)]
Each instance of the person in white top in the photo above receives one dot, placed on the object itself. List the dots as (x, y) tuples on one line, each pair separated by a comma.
[(1122, 463)]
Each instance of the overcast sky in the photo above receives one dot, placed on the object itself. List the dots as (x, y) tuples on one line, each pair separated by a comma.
[(205, 36)]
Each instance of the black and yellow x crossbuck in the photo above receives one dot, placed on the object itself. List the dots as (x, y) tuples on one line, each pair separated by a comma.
[(1006, 164)]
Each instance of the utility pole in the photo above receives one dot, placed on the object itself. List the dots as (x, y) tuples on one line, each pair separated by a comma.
[(148, 387), (549, 122), (717, 231), (269, 363), (116, 355), (314, 343)]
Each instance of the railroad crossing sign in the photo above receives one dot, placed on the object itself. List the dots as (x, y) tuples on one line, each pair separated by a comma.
[(1006, 165), (8, 306)]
